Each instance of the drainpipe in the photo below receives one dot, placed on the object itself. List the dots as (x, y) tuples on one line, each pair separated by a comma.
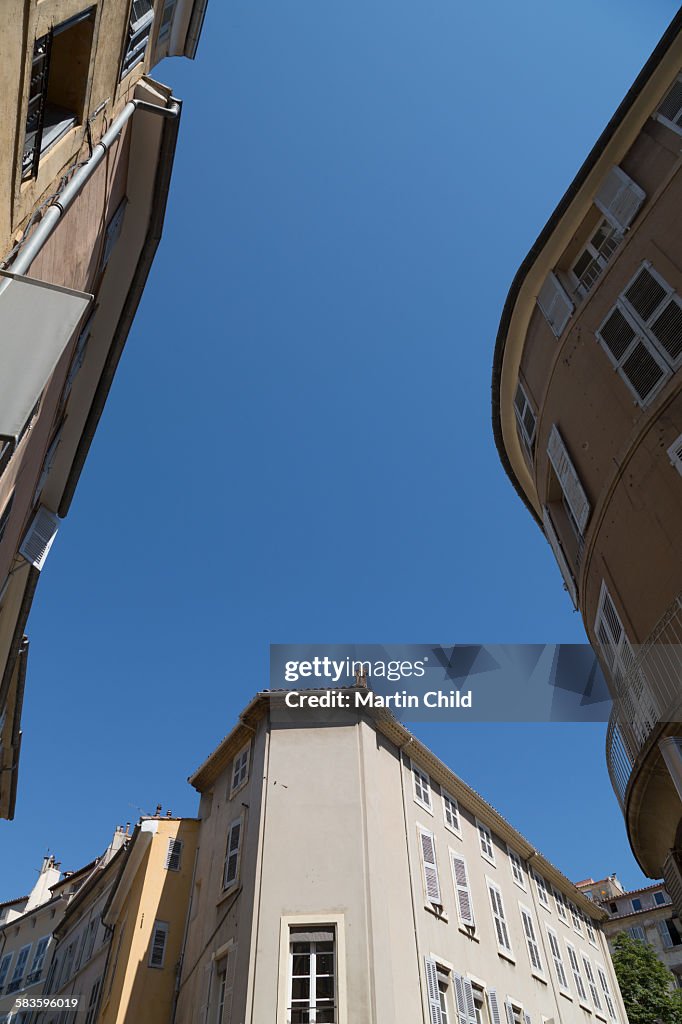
[(63, 201)]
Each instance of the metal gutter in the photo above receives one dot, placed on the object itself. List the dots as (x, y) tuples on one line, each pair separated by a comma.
[(196, 24), (151, 243), (664, 44)]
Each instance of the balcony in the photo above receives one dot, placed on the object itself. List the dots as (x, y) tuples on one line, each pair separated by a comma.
[(647, 696)]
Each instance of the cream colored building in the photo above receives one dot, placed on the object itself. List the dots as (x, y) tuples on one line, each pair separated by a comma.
[(345, 874), (87, 141), (587, 415)]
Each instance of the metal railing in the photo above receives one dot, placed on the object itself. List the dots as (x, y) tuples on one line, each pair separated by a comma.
[(647, 694)]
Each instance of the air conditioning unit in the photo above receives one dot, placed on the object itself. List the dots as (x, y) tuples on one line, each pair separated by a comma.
[(39, 537)]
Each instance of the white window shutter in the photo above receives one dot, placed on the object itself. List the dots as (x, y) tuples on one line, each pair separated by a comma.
[(509, 1010), (39, 537), (555, 303), (527, 1018), (431, 881), (460, 999), (464, 902), (568, 479), (553, 540), (493, 1003), (675, 454), (470, 1001), (619, 198), (432, 990), (665, 934)]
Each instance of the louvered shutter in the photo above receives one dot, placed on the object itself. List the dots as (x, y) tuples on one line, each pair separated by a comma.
[(494, 1006), (173, 855), (568, 479), (553, 540), (460, 999), (670, 110), (431, 881), (230, 969), (464, 902), (509, 1011), (660, 311), (158, 950), (665, 934), (39, 537), (527, 1018), (470, 1001), (675, 454), (555, 303), (619, 198), (432, 990)]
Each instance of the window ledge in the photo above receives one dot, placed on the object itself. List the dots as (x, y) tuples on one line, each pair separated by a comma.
[(227, 893), (453, 830), (469, 932), (584, 1006), (439, 913), (566, 995), (424, 807), (506, 956), (539, 977), (238, 789), (488, 859)]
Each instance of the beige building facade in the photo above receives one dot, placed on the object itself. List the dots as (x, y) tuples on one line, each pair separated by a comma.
[(87, 141), (587, 413), (345, 874)]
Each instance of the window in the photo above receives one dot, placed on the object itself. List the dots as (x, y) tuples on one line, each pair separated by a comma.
[(555, 544), (577, 976), (460, 875), (619, 199), (240, 769), (555, 304), (594, 992), (575, 917), (594, 257), (642, 335), (225, 973), (558, 960), (232, 851), (157, 949), (422, 787), (607, 992), (19, 969), (516, 868), (174, 855), (541, 886), (494, 1007), (166, 20), (659, 899), (92, 1002), (485, 838), (499, 919), (4, 968), (58, 83), (670, 111), (613, 907), (669, 933), (312, 976), (139, 29), (427, 845), (451, 813), (637, 933), (636, 903), (92, 933), (589, 927), (465, 999), (560, 904), (526, 420), (531, 940), (38, 960), (577, 505)]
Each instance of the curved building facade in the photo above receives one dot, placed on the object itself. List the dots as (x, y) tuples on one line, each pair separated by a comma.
[(587, 414)]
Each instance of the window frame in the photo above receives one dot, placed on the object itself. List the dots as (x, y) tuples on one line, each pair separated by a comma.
[(462, 891), (497, 909), (531, 938), (174, 849), (418, 775), (236, 823), (331, 920), (677, 128), (542, 890), (446, 799), (557, 957), (516, 861), (162, 927), (484, 832), (431, 883), (240, 771)]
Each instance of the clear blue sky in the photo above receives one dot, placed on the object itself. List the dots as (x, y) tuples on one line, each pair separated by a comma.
[(298, 446)]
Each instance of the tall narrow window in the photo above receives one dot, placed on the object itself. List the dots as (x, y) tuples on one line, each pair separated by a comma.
[(670, 110), (607, 993), (575, 499), (451, 813), (422, 786), (231, 868), (577, 975), (516, 868), (240, 769), (312, 976), (19, 969), (139, 29), (594, 992), (541, 886), (592, 260), (225, 975), (485, 839), (589, 927), (526, 420), (558, 959), (92, 1002), (531, 940), (499, 918), (575, 917), (427, 845), (619, 199), (174, 855), (555, 304), (4, 968), (560, 903), (157, 950), (38, 960), (465, 906)]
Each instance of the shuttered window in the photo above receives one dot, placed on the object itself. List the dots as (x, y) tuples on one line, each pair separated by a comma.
[(555, 304), (494, 1006), (174, 855), (312, 976), (427, 846), (558, 959), (577, 976), (465, 905), (541, 887), (466, 1001), (642, 335), (157, 951), (607, 993), (569, 481), (431, 969), (39, 537), (670, 110), (240, 769), (92, 1002), (575, 917), (516, 868), (4, 967), (594, 992), (485, 839), (675, 454), (231, 868), (531, 940), (560, 903), (638, 933), (451, 813), (499, 918), (139, 29), (555, 544), (590, 929), (526, 419), (664, 932), (596, 254), (422, 786), (619, 199)]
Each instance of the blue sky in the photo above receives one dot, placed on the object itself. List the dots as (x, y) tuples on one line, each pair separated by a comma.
[(298, 447)]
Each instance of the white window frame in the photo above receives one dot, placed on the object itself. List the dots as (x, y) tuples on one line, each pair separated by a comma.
[(40, 953), (527, 441), (542, 890), (500, 923), (421, 782), (553, 299), (433, 893), (555, 544), (675, 454), (560, 904), (5, 964), (485, 842), (569, 480), (310, 1004), (289, 921), (557, 957), (668, 122), (230, 851), (174, 853), (532, 944), (450, 805), (575, 917), (592, 984), (19, 972), (574, 964), (463, 894), (589, 928), (600, 258), (160, 928), (516, 865), (239, 774), (608, 999)]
